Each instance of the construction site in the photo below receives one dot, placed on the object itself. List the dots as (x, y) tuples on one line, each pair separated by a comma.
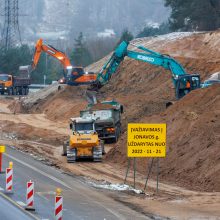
[(70, 138), (38, 124)]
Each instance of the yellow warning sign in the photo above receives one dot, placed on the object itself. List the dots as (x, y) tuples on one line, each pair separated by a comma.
[(146, 140), (2, 149)]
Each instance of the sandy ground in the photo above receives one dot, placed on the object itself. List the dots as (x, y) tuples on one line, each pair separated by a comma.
[(171, 201)]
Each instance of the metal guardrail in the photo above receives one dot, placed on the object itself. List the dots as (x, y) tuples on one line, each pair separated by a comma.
[(37, 86)]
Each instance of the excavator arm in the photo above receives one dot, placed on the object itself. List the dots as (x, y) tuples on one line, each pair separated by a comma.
[(179, 76), (40, 47), (72, 75)]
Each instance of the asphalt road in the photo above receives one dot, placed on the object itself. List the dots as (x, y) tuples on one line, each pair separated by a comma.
[(9, 211), (81, 201)]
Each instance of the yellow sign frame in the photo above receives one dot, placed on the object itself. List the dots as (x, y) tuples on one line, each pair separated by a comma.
[(146, 140), (2, 149)]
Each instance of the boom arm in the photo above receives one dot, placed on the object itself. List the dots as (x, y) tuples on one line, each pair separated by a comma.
[(182, 81), (149, 57), (39, 47)]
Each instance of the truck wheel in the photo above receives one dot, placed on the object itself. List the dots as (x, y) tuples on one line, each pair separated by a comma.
[(10, 92), (116, 138), (117, 133), (102, 143), (23, 91), (14, 92)]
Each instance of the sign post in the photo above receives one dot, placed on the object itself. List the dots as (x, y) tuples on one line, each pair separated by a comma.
[(9, 178), (45, 77), (58, 205), (2, 150), (146, 140), (30, 196)]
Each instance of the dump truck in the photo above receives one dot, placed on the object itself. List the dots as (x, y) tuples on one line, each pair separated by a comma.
[(107, 119), (84, 141), (14, 85)]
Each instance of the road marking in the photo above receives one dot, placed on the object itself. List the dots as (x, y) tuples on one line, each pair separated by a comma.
[(18, 206), (43, 194), (46, 193), (113, 212), (43, 197), (21, 203), (83, 203), (39, 171)]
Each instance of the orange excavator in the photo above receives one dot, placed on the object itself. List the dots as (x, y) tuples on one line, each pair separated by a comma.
[(72, 75)]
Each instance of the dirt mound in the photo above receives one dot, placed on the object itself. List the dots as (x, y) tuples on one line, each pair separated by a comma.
[(100, 106), (193, 122), (57, 105), (63, 104), (22, 131), (193, 135)]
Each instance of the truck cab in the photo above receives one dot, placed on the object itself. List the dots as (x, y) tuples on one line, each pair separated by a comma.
[(82, 126), (14, 85), (77, 75), (107, 117), (5, 83)]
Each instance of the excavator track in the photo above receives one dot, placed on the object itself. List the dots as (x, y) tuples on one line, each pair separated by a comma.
[(97, 154), (71, 155)]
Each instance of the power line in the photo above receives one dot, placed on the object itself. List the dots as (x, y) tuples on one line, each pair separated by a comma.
[(11, 36)]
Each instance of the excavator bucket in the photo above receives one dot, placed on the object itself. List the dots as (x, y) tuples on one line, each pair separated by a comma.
[(91, 97)]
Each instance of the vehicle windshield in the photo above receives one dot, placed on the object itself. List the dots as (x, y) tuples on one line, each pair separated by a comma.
[(195, 82), (4, 78), (83, 126)]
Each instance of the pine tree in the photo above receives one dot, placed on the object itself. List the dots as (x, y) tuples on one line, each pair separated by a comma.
[(126, 36), (151, 31), (11, 59), (187, 15), (80, 55)]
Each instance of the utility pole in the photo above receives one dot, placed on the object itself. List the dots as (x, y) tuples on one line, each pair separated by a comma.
[(46, 66), (11, 36)]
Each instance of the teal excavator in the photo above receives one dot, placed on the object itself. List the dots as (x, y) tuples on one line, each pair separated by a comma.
[(183, 82)]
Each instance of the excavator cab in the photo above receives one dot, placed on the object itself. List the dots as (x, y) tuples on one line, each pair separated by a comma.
[(77, 76), (186, 83)]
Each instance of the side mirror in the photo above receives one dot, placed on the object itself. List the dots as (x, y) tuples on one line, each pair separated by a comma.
[(71, 126)]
